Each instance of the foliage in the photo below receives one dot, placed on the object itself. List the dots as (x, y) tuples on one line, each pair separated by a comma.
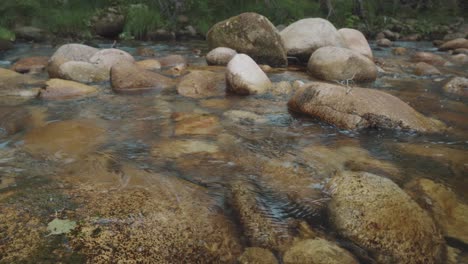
[(141, 20), (6, 34)]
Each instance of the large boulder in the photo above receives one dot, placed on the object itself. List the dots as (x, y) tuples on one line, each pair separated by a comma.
[(338, 64), (357, 108), (128, 77), (252, 34), (69, 52), (220, 56), (62, 89), (356, 41), (109, 23), (244, 76), (30, 64), (201, 84), (303, 37), (381, 218), (459, 43), (107, 58), (457, 86), (84, 72), (317, 251)]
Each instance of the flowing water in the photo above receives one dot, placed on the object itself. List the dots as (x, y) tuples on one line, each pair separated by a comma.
[(140, 174)]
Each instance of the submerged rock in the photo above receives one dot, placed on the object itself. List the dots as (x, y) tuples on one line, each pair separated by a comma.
[(339, 64), (179, 148), (244, 76), (62, 89), (359, 108), (31, 64), (220, 56), (356, 41), (317, 251), (195, 124), (457, 86), (378, 216), (252, 34), (201, 84), (303, 37), (254, 255)]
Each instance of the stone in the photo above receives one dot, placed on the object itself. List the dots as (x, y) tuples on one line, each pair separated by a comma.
[(303, 37), (356, 41), (459, 43), (178, 148), (457, 86), (173, 61), (195, 124), (31, 64), (69, 52), (30, 33), (220, 56), (201, 84), (359, 108), (244, 76), (339, 64), (399, 51), (251, 34), (381, 218), (63, 89), (422, 68), (127, 77), (107, 58), (317, 251), (460, 58), (145, 52), (429, 58), (255, 255), (109, 23), (384, 43), (391, 35), (83, 72), (149, 64), (461, 51)]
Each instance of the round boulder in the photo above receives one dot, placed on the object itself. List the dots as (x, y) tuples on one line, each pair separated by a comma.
[(252, 34), (107, 58), (303, 37), (459, 43), (378, 216), (220, 56), (422, 68), (244, 76), (338, 64), (384, 43), (62, 89), (356, 41), (69, 52), (317, 251)]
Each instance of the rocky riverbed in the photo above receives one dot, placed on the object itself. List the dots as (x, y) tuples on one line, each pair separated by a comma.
[(143, 152)]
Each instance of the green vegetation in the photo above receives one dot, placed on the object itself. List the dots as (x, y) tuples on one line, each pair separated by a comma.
[(71, 18)]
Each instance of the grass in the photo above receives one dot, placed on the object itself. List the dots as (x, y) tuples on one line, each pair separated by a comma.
[(141, 20)]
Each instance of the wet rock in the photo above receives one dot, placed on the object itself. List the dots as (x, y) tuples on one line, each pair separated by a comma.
[(173, 60), (252, 34), (107, 58), (364, 204), (69, 52), (150, 64), (448, 212), (281, 88), (145, 52), (201, 84), (196, 124), (13, 83), (30, 65), (179, 148), (457, 86), (379, 35), (317, 251), (399, 51), (83, 72), (460, 43), (265, 68), (176, 71), (359, 108), (429, 58), (246, 117), (129, 78), (356, 41), (109, 23), (220, 56), (62, 89), (303, 37), (422, 68), (255, 255), (13, 120), (244, 76), (31, 33), (460, 58), (339, 64), (384, 43)]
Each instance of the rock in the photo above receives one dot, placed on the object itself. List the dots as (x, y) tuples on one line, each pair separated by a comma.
[(265, 68), (384, 43), (244, 76), (455, 52), (359, 108), (127, 77), (281, 88), (176, 71), (356, 41), (62, 89), (161, 35), (69, 52), (11, 82), (412, 37), (179, 148), (303, 37), (391, 35), (13, 120), (109, 23), (220, 56), (245, 117), (363, 205), (422, 68), (195, 124), (30, 34), (460, 43), (145, 52), (460, 58), (399, 51), (5, 45), (173, 60), (338, 64), (448, 212), (457, 86), (317, 251), (254, 255), (429, 58), (252, 34), (83, 72), (150, 64), (380, 35), (201, 84), (31, 64), (107, 58)]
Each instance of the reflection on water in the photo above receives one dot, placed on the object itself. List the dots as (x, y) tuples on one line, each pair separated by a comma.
[(159, 174)]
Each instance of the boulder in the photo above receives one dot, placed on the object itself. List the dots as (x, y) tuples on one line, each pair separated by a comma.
[(107, 58), (252, 34), (381, 218), (422, 68), (460, 58), (244, 76), (384, 43), (31, 64), (254, 255), (201, 84), (459, 43), (83, 72), (69, 52), (455, 52), (150, 64), (429, 58), (457, 86), (127, 77), (62, 89), (30, 33), (317, 251), (109, 23), (338, 64), (173, 61), (356, 41), (359, 108), (303, 37), (220, 56)]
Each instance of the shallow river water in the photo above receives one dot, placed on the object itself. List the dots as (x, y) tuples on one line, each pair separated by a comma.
[(161, 178)]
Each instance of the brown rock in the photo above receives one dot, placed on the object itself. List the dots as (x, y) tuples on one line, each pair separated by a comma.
[(150, 64), (317, 251), (255, 255), (384, 43), (457, 86), (422, 68), (83, 72), (145, 52), (220, 56), (429, 58), (460, 43), (30, 65), (201, 84), (399, 51), (356, 41), (173, 60), (62, 89)]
